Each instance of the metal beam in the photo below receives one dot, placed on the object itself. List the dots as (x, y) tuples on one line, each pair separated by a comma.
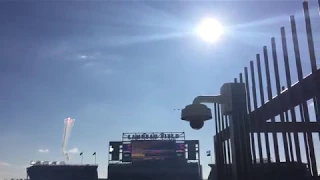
[(278, 127), (281, 103), (289, 127)]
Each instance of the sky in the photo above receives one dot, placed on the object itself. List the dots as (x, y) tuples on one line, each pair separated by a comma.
[(121, 66)]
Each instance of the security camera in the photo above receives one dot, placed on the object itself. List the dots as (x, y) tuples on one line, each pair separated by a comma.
[(196, 114), (196, 124)]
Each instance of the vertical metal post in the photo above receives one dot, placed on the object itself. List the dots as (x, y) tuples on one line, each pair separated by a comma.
[(251, 120), (216, 143), (227, 149), (312, 55), (305, 139), (304, 104), (255, 102), (289, 83), (220, 145), (289, 134), (255, 106), (262, 102), (239, 140), (215, 117), (247, 130), (278, 87), (240, 78), (224, 148), (217, 158), (300, 77)]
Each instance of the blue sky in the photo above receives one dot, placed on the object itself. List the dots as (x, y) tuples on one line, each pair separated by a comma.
[(120, 66)]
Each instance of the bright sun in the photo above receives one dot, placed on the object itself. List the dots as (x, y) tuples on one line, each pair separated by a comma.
[(209, 30)]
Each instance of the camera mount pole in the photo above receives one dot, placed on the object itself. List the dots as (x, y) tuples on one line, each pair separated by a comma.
[(208, 99), (238, 130), (233, 103)]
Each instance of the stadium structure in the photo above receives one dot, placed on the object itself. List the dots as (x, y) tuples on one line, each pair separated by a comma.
[(62, 172), (154, 156), (140, 156)]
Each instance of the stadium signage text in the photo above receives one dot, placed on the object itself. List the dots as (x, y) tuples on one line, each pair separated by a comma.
[(153, 136)]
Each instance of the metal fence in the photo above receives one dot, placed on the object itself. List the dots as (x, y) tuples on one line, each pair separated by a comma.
[(285, 121)]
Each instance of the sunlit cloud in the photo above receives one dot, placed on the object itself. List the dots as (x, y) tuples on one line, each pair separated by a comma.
[(88, 55), (90, 58), (83, 57), (4, 164), (74, 151), (43, 150), (100, 64)]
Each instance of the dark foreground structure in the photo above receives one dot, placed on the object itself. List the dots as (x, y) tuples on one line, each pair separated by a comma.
[(292, 171), (63, 172), (155, 171), (269, 116)]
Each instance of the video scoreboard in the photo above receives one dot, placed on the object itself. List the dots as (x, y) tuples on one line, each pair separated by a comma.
[(152, 150), (137, 150)]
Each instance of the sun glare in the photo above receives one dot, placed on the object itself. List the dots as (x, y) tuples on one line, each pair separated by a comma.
[(209, 30)]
